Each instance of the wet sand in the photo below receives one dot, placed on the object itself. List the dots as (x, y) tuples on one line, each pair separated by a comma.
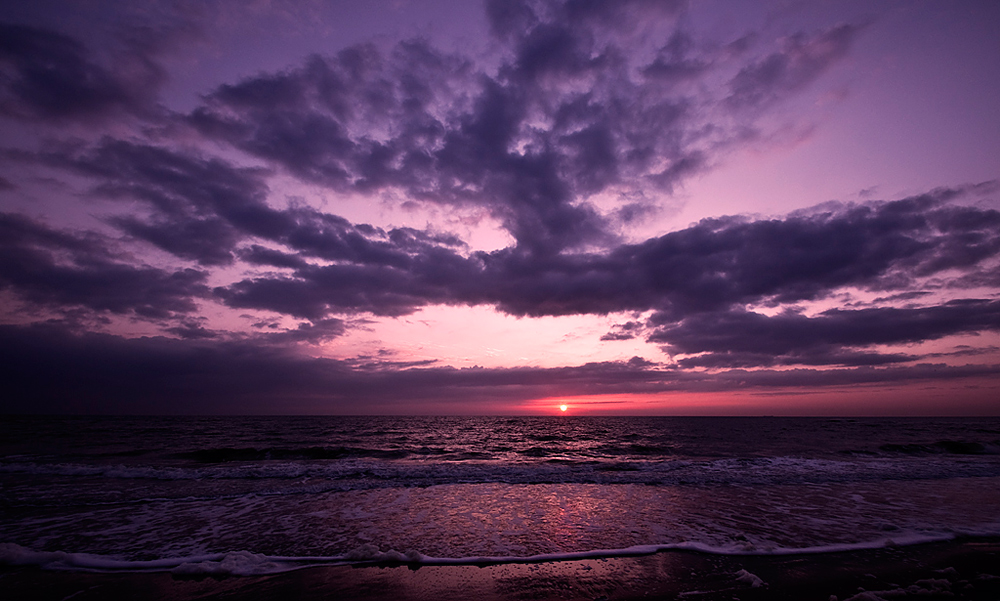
[(962, 569)]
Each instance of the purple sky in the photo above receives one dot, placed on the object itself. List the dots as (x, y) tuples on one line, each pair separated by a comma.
[(445, 206)]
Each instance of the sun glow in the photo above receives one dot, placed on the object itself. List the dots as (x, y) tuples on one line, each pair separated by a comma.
[(563, 407)]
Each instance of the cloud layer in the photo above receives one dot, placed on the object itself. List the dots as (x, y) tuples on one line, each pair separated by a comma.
[(587, 117)]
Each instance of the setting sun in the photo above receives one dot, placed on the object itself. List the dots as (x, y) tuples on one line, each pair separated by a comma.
[(563, 407)]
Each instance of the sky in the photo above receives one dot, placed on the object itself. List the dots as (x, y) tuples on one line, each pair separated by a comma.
[(631, 207)]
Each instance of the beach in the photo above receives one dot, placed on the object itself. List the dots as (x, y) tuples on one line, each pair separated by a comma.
[(960, 569), (499, 508)]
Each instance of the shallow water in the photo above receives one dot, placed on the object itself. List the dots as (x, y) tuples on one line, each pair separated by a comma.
[(333, 489)]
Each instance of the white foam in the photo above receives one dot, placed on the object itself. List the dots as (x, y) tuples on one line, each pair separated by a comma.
[(928, 587), (746, 577), (246, 563), (500, 521), (16, 555), (239, 563)]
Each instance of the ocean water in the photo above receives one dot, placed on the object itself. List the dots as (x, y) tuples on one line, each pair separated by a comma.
[(251, 495)]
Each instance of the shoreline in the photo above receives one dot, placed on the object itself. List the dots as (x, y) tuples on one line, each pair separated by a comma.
[(963, 568)]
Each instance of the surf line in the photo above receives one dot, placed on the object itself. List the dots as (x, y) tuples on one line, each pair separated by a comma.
[(246, 563)]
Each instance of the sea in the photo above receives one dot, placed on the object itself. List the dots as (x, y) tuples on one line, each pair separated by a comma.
[(239, 496)]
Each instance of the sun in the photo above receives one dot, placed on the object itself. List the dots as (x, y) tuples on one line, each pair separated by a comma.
[(563, 407)]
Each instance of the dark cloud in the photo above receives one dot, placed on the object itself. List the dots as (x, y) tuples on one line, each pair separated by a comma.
[(818, 355), (624, 331), (674, 71), (52, 268), (178, 185), (731, 261), (259, 255), (510, 17), (191, 330), (562, 118), (207, 241), (312, 332), (714, 266), (201, 207), (46, 75), (739, 379), (696, 280), (93, 373), (327, 122), (801, 60), (553, 50), (436, 276), (102, 373), (721, 263), (617, 13), (744, 338), (902, 296), (204, 209), (588, 99)]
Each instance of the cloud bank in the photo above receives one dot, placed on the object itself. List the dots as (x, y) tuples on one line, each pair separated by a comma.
[(585, 121)]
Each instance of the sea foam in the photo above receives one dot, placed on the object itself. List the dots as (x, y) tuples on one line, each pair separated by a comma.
[(246, 563)]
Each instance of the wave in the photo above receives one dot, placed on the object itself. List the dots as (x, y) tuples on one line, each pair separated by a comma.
[(230, 454), (247, 563), (367, 473), (951, 447)]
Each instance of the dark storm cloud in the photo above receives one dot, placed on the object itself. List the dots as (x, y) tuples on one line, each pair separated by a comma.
[(259, 255), (191, 330), (744, 338), (562, 118), (510, 17), (200, 208), (556, 51), (605, 13), (817, 355), (713, 267), (721, 263), (46, 75), (800, 61), (312, 332), (333, 238), (207, 241), (317, 122), (674, 64), (204, 209), (182, 187), (515, 17), (584, 100), (624, 331), (59, 371), (434, 276), (696, 280), (790, 379), (566, 115), (57, 269), (323, 121)]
